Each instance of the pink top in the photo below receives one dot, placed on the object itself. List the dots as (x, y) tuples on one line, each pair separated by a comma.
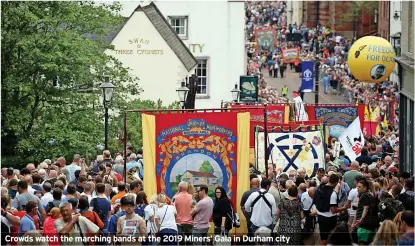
[(183, 202)]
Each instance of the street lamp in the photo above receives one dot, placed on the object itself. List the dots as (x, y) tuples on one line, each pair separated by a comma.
[(235, 93), (183, 91), (107, 91), (396, 15)]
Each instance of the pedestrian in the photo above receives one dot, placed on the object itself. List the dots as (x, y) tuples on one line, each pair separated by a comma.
[(275, 66), (131, 224), (408, 228), (282, 68), (166, 221), (183, 202), (254, 184), (262, 203), (73, 226), (201, 215), (284, 91), (387, 234), (222, 212), (290, 211), (340, 236), (327, 206)]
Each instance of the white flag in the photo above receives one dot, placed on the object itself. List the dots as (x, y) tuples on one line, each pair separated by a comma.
[(353, 140)]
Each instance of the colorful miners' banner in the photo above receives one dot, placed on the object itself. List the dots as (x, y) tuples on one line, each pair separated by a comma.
[(371, 128), (336, 118), (290, 55), (276, 114), (209, 148), (293, 148), (266, 38)]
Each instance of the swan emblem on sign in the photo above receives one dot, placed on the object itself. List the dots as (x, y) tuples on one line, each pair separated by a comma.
[(249, 86)]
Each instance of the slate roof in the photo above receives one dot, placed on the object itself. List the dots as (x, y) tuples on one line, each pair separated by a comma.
[(163, 27)]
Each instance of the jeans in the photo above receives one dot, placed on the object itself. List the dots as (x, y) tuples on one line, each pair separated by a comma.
[(200, 235), (184, 230), (326, 88), (168, 236), (275, 73)]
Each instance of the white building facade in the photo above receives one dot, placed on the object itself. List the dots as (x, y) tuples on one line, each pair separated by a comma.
[(294, 12), (395, 29), (213, 31)]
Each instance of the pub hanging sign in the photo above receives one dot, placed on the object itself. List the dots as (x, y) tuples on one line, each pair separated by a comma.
[(249, 88)]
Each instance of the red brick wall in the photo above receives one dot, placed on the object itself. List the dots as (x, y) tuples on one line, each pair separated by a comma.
[(383, 18)]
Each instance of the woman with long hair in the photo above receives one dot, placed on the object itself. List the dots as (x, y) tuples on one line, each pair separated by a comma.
[(340, 235), (387, 234), (222, 212), (149, 213), (166, 221), (398, 222), (141, 204)]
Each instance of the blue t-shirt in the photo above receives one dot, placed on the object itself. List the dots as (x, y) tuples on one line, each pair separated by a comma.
[(102, 205), (112, 225), (26, 224)]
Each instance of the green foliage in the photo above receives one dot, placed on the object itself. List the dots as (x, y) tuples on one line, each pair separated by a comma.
[(179, 178), (206, 167), (49, 41)]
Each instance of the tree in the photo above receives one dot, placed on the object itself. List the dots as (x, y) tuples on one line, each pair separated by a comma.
[(179, 178), (50, 76), (206, 167)]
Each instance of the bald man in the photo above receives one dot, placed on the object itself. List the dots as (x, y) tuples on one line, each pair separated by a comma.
[(254, 187), (349, 176)]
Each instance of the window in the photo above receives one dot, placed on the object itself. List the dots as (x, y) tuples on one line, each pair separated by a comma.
[(202, 77), (179, 25)]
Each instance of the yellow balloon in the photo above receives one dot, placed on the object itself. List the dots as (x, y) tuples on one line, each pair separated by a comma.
[(371, 59)]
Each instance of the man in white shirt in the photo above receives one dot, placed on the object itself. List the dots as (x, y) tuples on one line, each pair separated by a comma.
[(69, 170), (352, 201), (327, 206), (47, 195), (263, 207)]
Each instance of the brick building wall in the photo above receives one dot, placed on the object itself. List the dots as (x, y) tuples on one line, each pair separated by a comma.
[(384, 21), (334, 15)]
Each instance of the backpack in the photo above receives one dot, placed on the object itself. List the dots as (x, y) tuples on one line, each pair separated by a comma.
[(408, 200), (140, 210), (389, 208), (98, 210), (322, 198), (234, 217), (261, 195)]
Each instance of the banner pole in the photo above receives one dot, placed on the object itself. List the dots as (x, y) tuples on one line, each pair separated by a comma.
[(265, 140), (125, 146), (257, 144)]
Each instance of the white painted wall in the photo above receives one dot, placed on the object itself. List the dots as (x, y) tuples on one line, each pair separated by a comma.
[(294, 12), (395, 27), (219, 27), (160, 73)]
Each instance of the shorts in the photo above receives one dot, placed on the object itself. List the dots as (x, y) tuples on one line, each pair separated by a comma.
[(326, 224), (365, 235)]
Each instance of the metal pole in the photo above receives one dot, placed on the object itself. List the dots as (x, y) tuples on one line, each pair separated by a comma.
[(106, 126), (317, 80), (265, 140), (125, 146)]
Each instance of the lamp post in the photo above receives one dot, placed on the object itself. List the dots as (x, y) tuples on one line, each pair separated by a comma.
[(396, 16), (235, 93), (107, 92), (183, 91)]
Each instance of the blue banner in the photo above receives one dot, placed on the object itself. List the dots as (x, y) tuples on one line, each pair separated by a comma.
[(307, 76)]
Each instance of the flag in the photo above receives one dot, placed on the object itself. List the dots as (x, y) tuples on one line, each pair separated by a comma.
[(300, 114), (385, 122), (367, 115), (357, 102), (353, 140), (375, 114)]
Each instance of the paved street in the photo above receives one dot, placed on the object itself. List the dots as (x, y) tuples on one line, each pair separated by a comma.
[(292, 80)]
